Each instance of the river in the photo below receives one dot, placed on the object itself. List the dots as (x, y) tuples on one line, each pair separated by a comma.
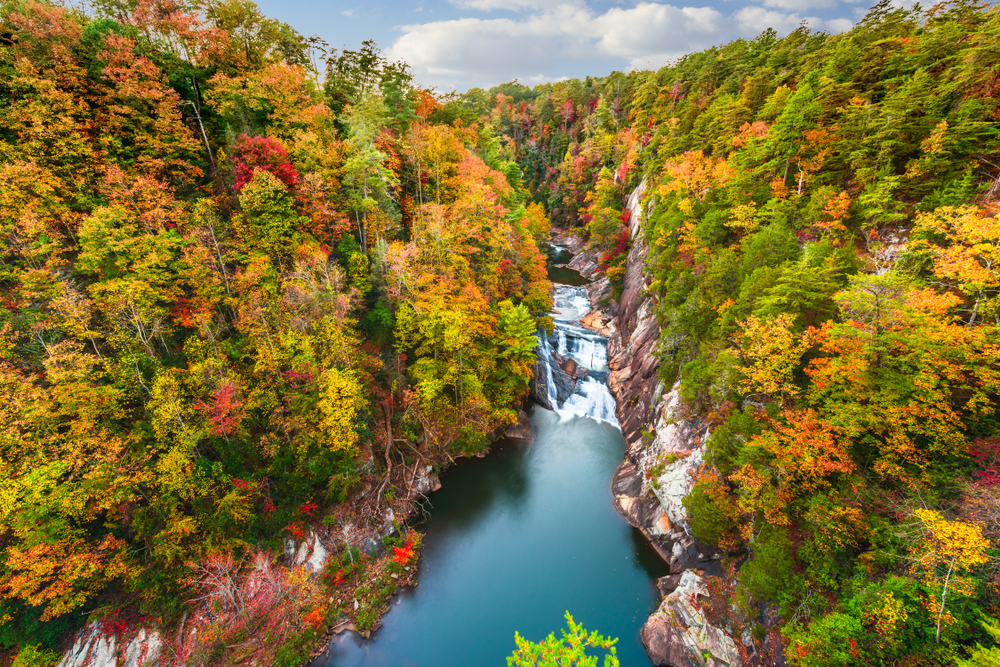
[(525, 534)]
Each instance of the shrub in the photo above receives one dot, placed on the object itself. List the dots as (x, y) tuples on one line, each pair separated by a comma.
[(713, 514), (35, 656)]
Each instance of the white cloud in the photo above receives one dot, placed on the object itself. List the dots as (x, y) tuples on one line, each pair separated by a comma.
[(838, 25), (754, 20), (751, 21), (513, 5), (542, 78), (655, 33), (481, 52), (347, 12), (798, 5)]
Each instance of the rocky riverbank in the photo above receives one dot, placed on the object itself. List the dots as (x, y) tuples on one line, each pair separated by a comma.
[(664, 452)]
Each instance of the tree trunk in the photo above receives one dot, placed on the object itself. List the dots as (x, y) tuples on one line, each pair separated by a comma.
[(944, 595)]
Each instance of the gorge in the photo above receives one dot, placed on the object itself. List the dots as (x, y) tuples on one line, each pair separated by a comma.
[(513, 536), (528, 532)]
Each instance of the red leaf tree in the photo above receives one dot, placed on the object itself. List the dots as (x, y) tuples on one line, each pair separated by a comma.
[(267, 153)]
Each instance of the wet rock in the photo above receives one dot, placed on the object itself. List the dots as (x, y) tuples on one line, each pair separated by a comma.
[(586, 263), (539, 390), (565, 384), (567, 365), (522, 429)]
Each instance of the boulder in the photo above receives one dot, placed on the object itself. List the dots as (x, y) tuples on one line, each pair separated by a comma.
[(568, 366), (522, 429), (667, 585), (586, 263), (426, 482)]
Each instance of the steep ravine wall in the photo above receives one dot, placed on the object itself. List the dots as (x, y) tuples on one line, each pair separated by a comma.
[(664, 451)]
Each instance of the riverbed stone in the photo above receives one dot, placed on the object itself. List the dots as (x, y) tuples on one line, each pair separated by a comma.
[(586, 263)]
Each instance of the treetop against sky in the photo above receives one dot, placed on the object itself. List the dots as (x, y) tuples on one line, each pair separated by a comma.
[(465, 43)]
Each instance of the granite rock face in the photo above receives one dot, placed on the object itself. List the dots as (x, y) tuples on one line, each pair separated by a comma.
[(633, 365), (311, 553)]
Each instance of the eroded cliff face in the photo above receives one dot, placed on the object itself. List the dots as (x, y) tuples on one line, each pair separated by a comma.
[(665, 446)]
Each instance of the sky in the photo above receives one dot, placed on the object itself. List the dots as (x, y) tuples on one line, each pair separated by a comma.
[(458, 44)]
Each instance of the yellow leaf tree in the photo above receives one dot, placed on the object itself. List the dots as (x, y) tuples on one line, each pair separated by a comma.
[(965, 252), (952, 547), (770, 352)]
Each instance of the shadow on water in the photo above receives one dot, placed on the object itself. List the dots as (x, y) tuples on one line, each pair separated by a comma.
[(472, 486), (515, 540), (560, 274)]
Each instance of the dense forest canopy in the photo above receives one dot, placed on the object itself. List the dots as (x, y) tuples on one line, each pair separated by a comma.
[(237, 285), (825, 260), (248, 283)]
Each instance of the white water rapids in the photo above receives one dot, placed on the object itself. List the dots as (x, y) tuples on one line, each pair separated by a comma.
[(590, 396)]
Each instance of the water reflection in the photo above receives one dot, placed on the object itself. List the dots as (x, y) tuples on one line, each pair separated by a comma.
[(481, 484)]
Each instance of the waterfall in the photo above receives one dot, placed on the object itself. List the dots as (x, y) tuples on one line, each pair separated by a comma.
[(592, 399), (570, 303), (550, 384), (576, 360)]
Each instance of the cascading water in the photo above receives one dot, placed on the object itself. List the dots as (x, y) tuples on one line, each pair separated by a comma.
[(576, 360)]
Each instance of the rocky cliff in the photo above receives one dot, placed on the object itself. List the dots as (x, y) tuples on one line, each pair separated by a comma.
[(664, 451)]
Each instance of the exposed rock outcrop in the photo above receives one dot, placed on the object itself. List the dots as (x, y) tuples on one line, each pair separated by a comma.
[(93, 647), (522, 429), (678, 634), (427, 482), (658, 471), (586, 264), (311, 553), (633, 364)]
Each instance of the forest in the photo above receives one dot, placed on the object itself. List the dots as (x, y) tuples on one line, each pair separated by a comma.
[(825, 260), (244, 280), (251, 285)]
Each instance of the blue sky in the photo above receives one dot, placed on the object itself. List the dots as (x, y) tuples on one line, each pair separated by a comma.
[(457, 44)]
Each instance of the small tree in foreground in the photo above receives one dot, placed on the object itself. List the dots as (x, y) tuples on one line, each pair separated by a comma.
[(570, 651)]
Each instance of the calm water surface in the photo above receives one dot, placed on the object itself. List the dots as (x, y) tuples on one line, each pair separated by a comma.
[(563, 275), (517, 539)]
